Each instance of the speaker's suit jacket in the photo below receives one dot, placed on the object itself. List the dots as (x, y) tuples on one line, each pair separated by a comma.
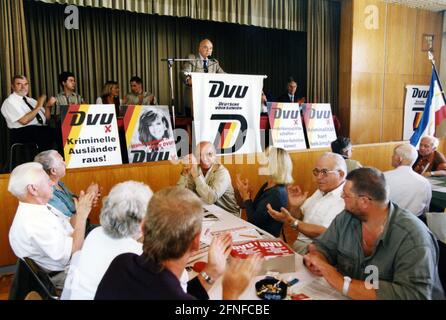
[(196, 66)]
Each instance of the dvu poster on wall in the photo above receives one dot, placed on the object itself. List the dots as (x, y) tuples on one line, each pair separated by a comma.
[(90, 136), (148, 134)]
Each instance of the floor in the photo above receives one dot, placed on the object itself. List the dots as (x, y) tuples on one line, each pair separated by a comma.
[(5, 284)]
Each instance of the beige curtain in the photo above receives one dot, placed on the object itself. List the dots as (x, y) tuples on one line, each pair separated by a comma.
[(278, 14), (14, 58), (323, 52), (114, 45)]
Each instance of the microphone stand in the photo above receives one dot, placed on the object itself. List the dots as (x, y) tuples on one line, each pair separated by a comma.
[(170, 62)]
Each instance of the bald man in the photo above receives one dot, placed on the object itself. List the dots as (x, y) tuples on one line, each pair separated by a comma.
[(209, 179), (202, 63)]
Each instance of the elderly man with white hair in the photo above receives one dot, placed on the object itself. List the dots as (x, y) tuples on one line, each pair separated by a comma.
[(39, 233), (312, 216), (62, 199), (430, 162), (121, 216), (408, 189)]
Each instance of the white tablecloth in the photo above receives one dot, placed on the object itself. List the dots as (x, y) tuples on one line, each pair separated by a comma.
[(312, 286)]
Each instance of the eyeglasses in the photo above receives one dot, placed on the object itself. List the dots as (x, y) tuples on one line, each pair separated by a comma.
[(324, 172)]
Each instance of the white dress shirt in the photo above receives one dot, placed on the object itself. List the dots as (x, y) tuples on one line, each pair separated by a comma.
[(321, 209), (41, 235), (14, 108), (409, 190)]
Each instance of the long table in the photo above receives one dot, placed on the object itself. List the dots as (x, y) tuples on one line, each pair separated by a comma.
[(308, 284), (438, 201)]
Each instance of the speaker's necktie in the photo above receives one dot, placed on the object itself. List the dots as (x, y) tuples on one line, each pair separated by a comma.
[(205, 66), (38, 116)]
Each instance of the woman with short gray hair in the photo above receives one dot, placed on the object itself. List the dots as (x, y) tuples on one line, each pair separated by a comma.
[(121, 217)]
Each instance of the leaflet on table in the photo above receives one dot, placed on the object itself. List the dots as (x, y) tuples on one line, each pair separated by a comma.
[(264, 247), (240, 234), (319, 289), (277, 256)]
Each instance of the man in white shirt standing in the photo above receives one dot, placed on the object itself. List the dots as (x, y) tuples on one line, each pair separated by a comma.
[(408, 189), (27, 118), (312, 216), (38, 231)]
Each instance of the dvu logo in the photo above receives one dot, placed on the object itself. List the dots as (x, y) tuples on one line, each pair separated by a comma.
[(79, 117), (417, 93), (219, 88), (225, 131)]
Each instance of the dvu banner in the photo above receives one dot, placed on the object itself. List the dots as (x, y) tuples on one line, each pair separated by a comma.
[(226, 111)]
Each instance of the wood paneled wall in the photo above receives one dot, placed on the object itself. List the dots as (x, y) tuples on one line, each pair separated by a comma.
[(163, 174), (383, 61)]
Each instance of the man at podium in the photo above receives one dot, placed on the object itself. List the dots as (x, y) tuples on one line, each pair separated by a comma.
[(201, 63)]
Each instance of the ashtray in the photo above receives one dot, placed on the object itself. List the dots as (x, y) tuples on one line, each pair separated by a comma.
[(271, 289)]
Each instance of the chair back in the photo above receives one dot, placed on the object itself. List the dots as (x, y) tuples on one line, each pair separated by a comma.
[(22, 152), (47, 289)]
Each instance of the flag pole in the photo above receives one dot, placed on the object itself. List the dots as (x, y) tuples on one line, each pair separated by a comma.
[(432, 60)]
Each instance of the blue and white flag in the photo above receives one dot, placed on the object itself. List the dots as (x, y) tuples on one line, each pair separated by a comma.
[(435, 102)]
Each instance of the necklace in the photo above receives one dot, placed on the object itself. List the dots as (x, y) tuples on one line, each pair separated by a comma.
[(378, 234)]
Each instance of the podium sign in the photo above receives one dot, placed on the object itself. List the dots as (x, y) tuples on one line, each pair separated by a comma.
[(319, 124), (415, 102), (286, 126), (90, 136), (148, 134), (227, 111)]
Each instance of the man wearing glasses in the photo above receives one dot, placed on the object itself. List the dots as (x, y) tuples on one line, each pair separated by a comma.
[(312, 216), (374, 249)]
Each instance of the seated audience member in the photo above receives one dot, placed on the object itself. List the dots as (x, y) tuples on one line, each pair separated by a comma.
[(39, 233), (343, 146), (375, 250), (171, 231), (274, 192), (110, 95), (430, 162), (121, 216), (209, 179), (27, 118), (408, 189), (138, 96), (62, 199), (312, 216), (68, 95), (291, 95)]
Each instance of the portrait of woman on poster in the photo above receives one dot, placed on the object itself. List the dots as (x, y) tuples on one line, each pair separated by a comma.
[(153, 129)]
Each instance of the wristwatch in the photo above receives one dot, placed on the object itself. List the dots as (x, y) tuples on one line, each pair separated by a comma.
[(295, 224), (346, 285), (207, 278)]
